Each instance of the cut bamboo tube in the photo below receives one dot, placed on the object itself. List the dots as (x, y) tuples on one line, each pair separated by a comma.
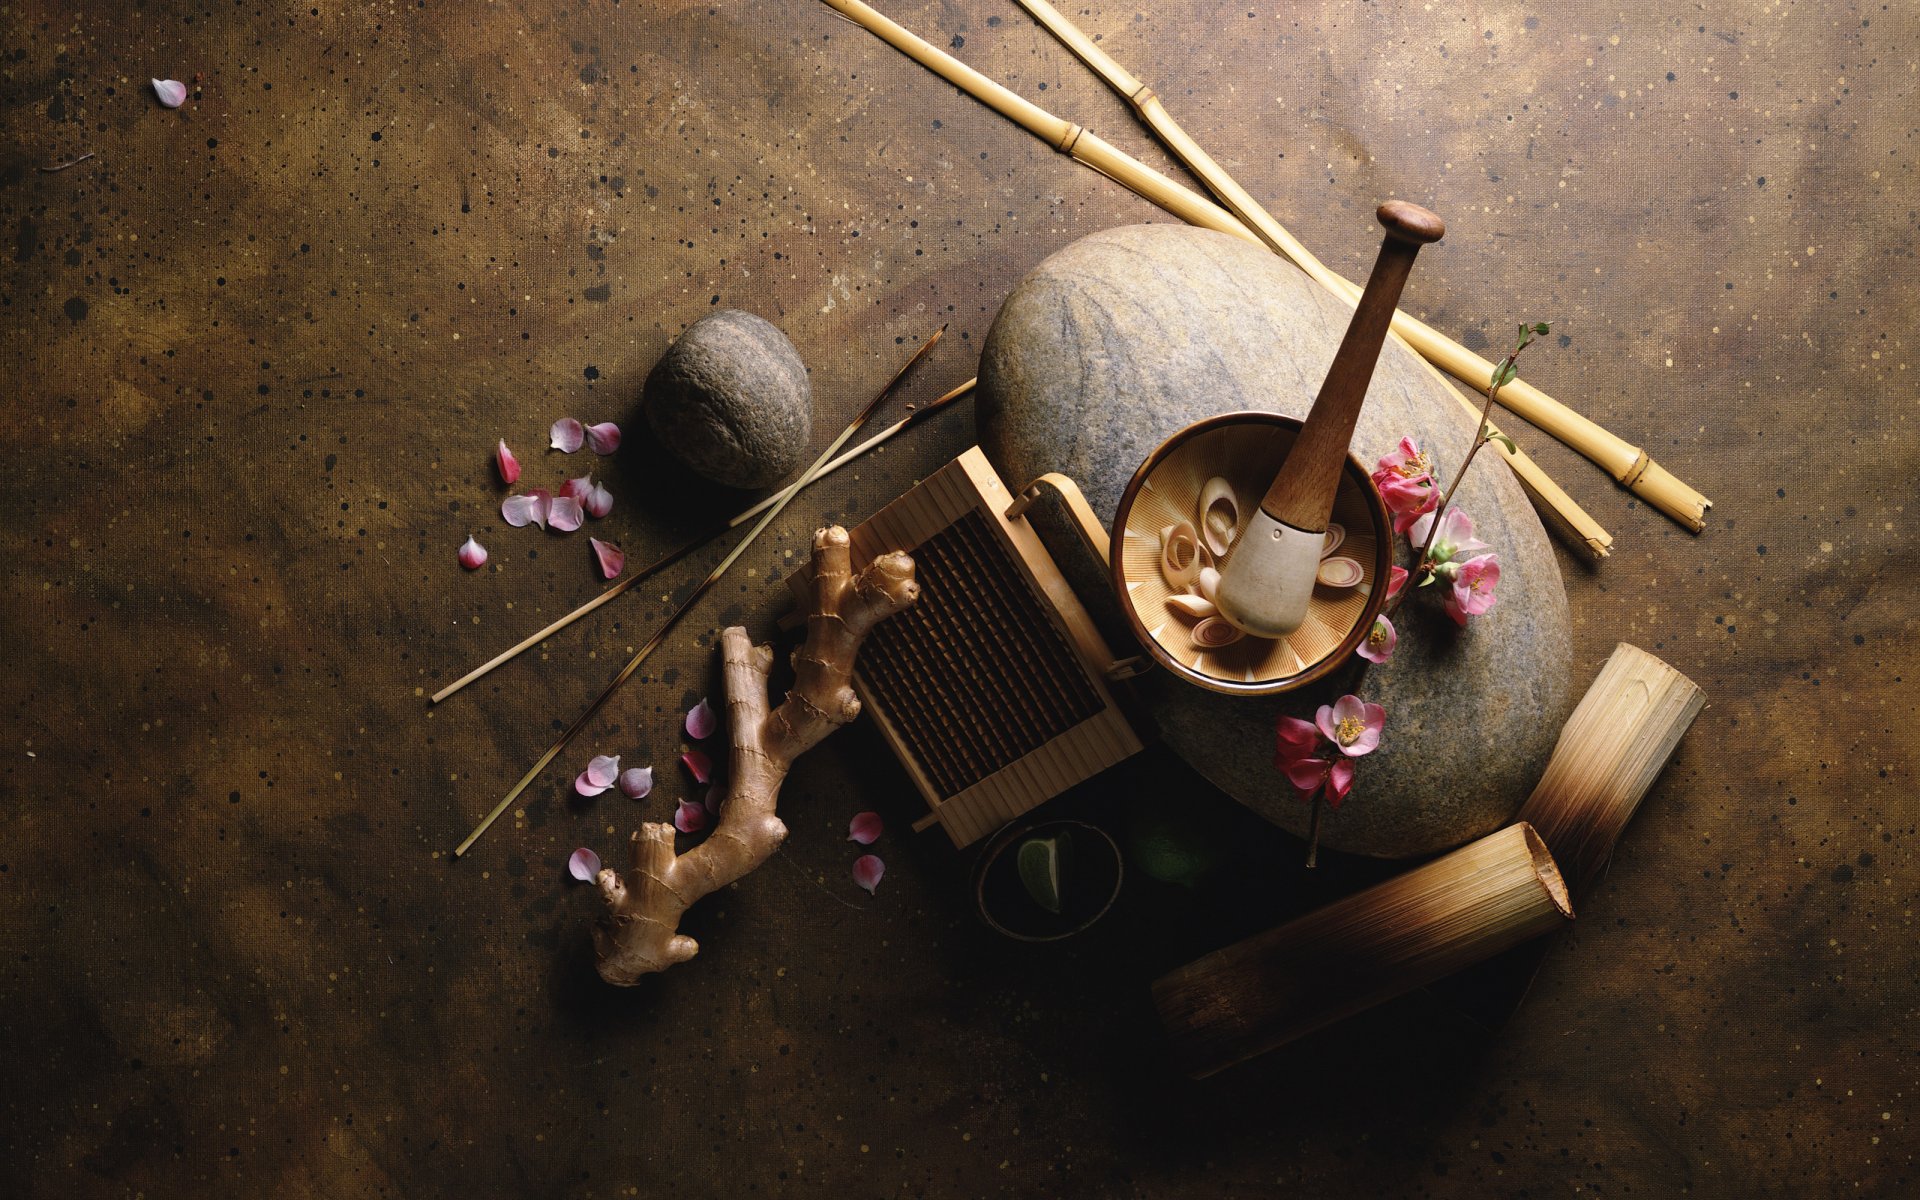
[(1460, 909), (1612, 749), (1628, 464), (701, 539)]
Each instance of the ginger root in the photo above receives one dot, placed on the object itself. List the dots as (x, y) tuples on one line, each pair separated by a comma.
[(638, 930)]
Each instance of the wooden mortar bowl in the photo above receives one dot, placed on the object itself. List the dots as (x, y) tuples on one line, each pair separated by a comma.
[(1242, 448)]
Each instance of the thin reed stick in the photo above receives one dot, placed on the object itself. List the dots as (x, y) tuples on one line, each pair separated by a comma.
[(713, 576), (701, 539), (1628, 464), (1460, 909)]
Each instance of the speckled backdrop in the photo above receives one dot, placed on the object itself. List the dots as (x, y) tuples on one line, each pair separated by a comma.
[(256, 352)]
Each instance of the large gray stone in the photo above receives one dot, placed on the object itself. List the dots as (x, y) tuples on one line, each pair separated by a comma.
[(1124, 337), (731, 400)]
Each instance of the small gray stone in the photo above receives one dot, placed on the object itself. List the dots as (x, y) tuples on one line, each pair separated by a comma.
[(1125, 337), (731, 400)]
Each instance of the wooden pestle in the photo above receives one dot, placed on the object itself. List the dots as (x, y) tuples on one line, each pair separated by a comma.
[(1268, 578)]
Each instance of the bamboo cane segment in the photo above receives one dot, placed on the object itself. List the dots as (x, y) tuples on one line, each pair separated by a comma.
[(1457, 910), (1093, 151), (1628, 464), (1612, 749)]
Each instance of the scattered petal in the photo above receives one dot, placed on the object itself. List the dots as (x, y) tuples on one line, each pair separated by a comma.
[(864, 828), (700, 721), (508, 464), (611, 558), (172, 92), (473, 555), (712, 799), (598, 502), (602, 770), (565, 514), (689, 817), (699, 764), (567, 435), (586, 787), (584, 865), (603, 438), (530, 509), (577, 488), (637, 782), (867, 870)]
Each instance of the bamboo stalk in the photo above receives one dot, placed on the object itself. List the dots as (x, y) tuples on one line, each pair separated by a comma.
[(1612, 749), (1628, 464), (1460, 909), (673, 618), (701, 539)]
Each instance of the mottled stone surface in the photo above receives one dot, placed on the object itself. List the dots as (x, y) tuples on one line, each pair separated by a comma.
[(731, 401), (1121, 339)]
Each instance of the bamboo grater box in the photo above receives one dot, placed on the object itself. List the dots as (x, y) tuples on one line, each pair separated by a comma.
[(993, 688)]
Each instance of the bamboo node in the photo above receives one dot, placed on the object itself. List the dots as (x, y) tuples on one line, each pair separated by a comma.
[(1070, 138), (1635, 471)]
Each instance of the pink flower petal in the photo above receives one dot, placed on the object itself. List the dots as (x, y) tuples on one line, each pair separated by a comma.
[(598, 502), (1305, 774), (586, 787), (865, 828), (1339, 782), (637, 782), (1293, 739), (1378, 645), (610, 557), (700, 721), (529, 509), (699, 764), (1396, 579), (508, 464), (712, 799), (602, 770), (577, 488), (603, 438), (565, 514), (172, 92), (473, 555), (867, 870), (689, 817), (566, 435), (584, 865)]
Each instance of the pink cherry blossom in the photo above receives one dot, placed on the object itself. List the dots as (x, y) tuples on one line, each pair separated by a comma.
[(1405, 481), (1293, 740), (1352, 725), (1378, 645), (1473, 585), (1453, 541), (1408, 461)]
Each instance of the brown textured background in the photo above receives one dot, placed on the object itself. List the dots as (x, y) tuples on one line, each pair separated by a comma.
[(256, 351)]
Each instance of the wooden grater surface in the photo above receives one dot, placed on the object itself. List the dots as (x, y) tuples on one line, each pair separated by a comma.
[(991, 688)]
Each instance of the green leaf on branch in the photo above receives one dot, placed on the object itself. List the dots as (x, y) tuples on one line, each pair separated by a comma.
[(1506, 441), (1504, 373), (1542, 328)]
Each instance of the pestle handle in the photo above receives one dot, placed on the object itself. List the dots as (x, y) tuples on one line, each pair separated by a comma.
[(1303, 491)]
